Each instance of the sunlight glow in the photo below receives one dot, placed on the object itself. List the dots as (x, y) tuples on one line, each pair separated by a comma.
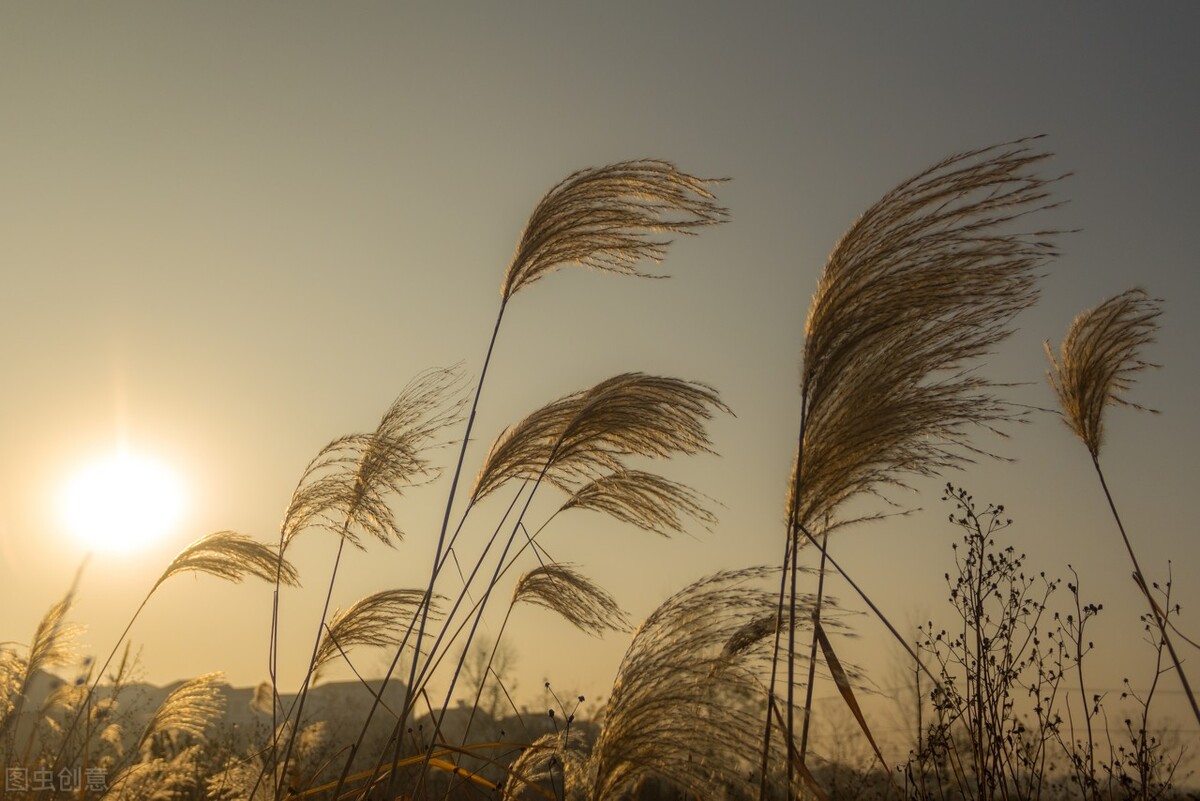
[(121, 503)]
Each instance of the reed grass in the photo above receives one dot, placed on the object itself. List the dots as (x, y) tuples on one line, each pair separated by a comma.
[(925, 281), (921, 287), (1097, 363)]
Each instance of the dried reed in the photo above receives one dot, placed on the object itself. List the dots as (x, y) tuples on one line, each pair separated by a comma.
[(188, 709), (373, 621), (684, 706), (926, 280), (347, 488), (607, 218), (568, 593), (230, 556), (1098, 360), (646, 500), (585, 435)]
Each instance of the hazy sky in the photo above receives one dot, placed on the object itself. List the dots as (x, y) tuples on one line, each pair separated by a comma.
[(230, 233)]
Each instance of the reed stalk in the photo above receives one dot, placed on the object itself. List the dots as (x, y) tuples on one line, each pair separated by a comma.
[(925, 281)]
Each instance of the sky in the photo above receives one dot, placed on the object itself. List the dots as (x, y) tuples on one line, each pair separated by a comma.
[(230, 233)]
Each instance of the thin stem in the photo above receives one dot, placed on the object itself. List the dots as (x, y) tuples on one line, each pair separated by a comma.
[(92, 689), (483, 601), (790, 545), (287, 755), (791, 671), (1145, 588), (871, 604), (437, 557), (812, 654)]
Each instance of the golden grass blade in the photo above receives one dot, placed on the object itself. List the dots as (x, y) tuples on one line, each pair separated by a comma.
[(610, 218), (567, 592), (377, 620), (797, 761), (1098, 360), (585, 435), (230, 556), (646, 500), (925, 281), (847, 691), (348, 487)]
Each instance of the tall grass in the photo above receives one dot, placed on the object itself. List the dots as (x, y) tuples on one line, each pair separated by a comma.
[(923, 283), (920, 287), (1097, 362)]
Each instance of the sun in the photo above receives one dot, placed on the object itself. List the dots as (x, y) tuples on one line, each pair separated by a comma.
[(121, 503)]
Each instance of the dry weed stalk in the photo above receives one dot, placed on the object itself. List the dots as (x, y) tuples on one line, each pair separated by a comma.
[(926, 280), (1097, 362)]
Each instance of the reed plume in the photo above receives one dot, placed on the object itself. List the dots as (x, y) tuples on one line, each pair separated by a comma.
[(925, 281), (685, 706), (609, 218), (52, 645), (188, 709), (1097, 362), (648, 501), (373, 621), (52, 640), (585, 435), (156, 779), (555, 759), (230, 556), (568, 593), (347, 488)]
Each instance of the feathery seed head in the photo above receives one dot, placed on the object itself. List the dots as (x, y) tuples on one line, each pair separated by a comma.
[(347, 488), (189, 708), (231, 556), (375, 620), (926, 280), (586, 434), (646, 500), (685, 703), (564, 590), (610, 218), (1098, 359)]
